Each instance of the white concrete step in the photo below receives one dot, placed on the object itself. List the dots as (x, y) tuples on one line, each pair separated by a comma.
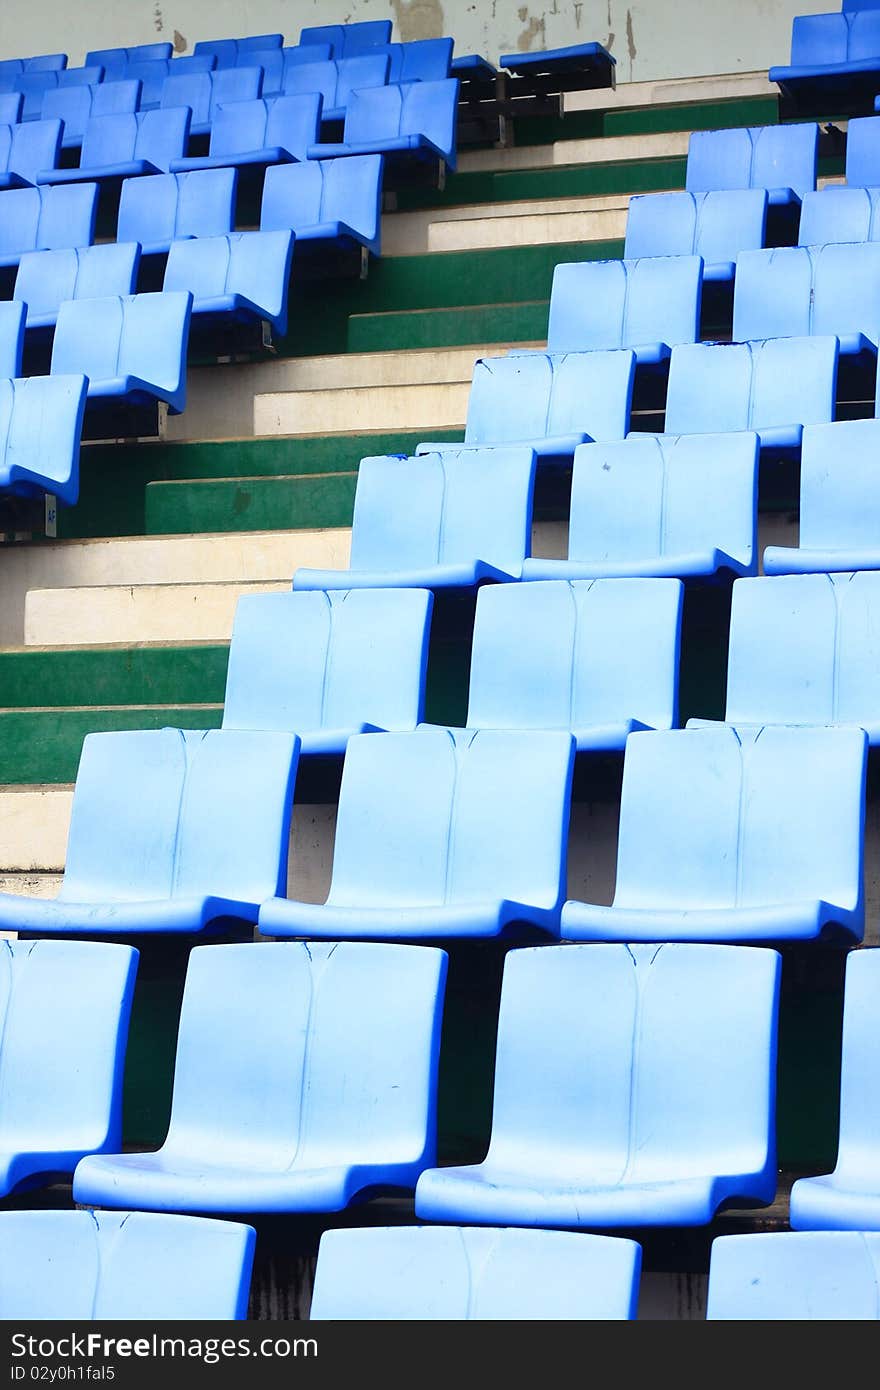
[(140, 613), (352, 410), (601, 149), (671, 92), (417, 233)]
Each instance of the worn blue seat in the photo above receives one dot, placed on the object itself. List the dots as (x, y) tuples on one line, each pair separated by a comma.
[(583, 64), (839, 502), (331, 200), (421, 60), (863, 149), (326, 666), (125, 145), (46, 219), (258, 132), (204, 92), (129, 346), (10, 108), (242, 276), (774, 387), (780, 158), (599, 658), (10, 68), (840, 214), (835, 58), (226, 52), (443, 833), (75, 106), (114, 61), (163, 208), (46, 279), (34, 86), (171, 831), (415, 120), (437, 1273), (654, 505), (736, 834), (647, 305), (448, 520), (40, 426), (91, 1265), (65, 1008), (803, 1276), (716, 226), (152, 74), (347, 40), (634, 1086), (343, 1103), (797, 291), (12, 316), (336, 80), (26, 149), (277, 62), (551, 401)]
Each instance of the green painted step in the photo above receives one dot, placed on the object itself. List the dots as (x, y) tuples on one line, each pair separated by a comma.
[(192, 673), (704, 115), (441, 328), (43, 745), (254, 504)]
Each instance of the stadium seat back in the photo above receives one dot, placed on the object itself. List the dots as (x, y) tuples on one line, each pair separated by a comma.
[(773, 157), (348, 39), (596, 305), (40, 427), (751, 386), (12, 321), (538, 396), (794, 1275), (46, 279), (172, 207)]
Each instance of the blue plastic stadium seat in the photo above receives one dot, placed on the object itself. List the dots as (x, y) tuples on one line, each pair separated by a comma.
[(114, 61), (716, 226), (347, 40), (840, 214), (46, 279), (27, 149), (171, 831), (647, 305), (863, 148), (406, 1273), (437, 521), (163, 208), (152, 75), (258, 132), (12, 67), (591, 61), (226, 52), (599, 658), (849, 1198), (34, 86), (46, 219), (654, 505), (774, 387), (839, 503), (332, 200), (133, 347), (277, 62), (243, 275), (634, 1086), (65, 1008), (326, 666), (203, 92), (417, 120), (804, 1276), (125, 145), (12, 317), (343, 1101), (797, 291), (780, 158), (337, 80), (834, 58), (551, 402), (736, 834), (422, 60), (40, 426), (457, 833), (10, 108), (75, 106)]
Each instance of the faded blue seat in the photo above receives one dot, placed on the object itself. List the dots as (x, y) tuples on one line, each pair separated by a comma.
[(416, 120), (839, 502), (46, 219), (11, 67), (40, 426), (243, 275), (716, 226), (849, 1198), (172, 830), (458, 833), (326, 666), (337, 80), (550, 401), (65, 1008), (10, 108), (780, 158), (439, 521), (775, 388), (125, 145), (258, 132), (277, 62), (863, 149), (129, 346), (736, 834), (12, 316), (347, 40), (599, 658), (333, 200), (834, 58), (436, 1273), (634, 1086), (647, 305), (138, 1266), (584, 64), (654, 505), (798, 291), (75, 106), (420, 60), (114, 61), (226, 52), (34, 86), (172, 207), (840, 214), (46, 279), (204, 92), (152, 74), (804, 1276), (343, 1102), (27, 149)]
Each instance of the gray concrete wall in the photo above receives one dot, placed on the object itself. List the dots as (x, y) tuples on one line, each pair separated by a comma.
[(650, 38)]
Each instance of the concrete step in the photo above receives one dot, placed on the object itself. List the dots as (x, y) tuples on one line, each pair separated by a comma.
[(251, 504), (428, 230), (168, 673), (614, 149), (727, 86), (361, 408), (140, 613)]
